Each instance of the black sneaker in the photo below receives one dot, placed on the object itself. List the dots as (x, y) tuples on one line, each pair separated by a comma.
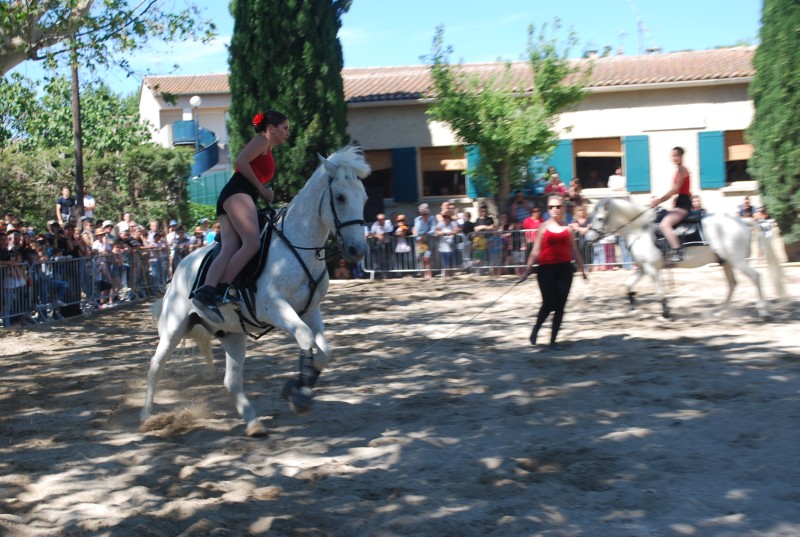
[(205, 302), (675, 256)]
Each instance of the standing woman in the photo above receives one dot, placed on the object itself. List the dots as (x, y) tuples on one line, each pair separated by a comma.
[(237, 211), (683, 204), (553, 250)]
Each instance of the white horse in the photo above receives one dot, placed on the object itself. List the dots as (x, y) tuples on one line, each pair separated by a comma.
[(728, 241), (289, 290)]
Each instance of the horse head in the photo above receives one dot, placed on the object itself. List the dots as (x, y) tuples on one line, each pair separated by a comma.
[(598, 221), (344, 212), (616, 215)]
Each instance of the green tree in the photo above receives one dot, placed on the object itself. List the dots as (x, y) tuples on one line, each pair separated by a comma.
[(775, 131), (103, 32), (285, 56), (110, 122), (507, 117)]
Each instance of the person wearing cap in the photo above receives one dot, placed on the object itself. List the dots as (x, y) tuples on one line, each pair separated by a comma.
[(170, 236), (237, 210)]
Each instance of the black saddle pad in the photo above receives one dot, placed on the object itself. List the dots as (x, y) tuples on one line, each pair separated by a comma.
[(247, 278)]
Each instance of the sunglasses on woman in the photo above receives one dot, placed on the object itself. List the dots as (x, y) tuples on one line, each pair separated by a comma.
[(554, 206)]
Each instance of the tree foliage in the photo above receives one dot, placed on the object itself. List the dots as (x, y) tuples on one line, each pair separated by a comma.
[(103, 32), (124, 171), (507, 117), (775, 131), (44, 118), (285, 56), (148, 181)]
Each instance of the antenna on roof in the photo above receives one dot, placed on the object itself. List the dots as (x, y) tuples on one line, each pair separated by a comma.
[(644, 31)]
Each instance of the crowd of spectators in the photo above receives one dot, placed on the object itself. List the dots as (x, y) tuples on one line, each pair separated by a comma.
[(76, 260)]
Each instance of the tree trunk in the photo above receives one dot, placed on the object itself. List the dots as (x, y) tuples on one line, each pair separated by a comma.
[(77, 131), (505, 190)]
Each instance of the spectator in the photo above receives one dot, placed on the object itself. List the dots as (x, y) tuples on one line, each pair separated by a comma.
[(530, 225), (402, 250), (555, 186), (520, 208), (205, 226), (424, 227), (745, 210), (484, 226), (464, 221), (65, 206), (618, 182), (213, 232), (342, 272), (180, 247), (89, 204), (170, 236), (199, 239), (125, 224), (380, 247), (574, 197), (445, 231), (697, 207)]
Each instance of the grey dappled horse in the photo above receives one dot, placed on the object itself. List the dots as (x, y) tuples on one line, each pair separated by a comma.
[(728, 238), (294, 280)]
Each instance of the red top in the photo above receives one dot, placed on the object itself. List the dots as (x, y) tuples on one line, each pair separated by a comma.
[(264, 167), (684, 188), (556, 247), (531, 223)]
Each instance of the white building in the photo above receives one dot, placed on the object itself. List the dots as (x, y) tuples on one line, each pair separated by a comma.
[(638, 108)]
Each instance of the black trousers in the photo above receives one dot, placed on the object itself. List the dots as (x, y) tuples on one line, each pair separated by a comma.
[(555, 282)]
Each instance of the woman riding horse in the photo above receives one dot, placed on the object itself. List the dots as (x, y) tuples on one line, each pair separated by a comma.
[(683, 204), (237, 211)]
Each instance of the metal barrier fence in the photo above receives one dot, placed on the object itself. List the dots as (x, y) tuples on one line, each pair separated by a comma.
[(489, 252), (49, 290)]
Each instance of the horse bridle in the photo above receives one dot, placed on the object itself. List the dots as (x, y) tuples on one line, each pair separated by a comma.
[(338, 224)]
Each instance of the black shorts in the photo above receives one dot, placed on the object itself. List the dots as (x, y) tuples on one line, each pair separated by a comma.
[(683, 201), (238, 184)]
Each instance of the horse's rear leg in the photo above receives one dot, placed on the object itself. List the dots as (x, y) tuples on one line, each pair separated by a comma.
[(761, 302), (235, 346), (170, 337), (731, 277), (630, 284)]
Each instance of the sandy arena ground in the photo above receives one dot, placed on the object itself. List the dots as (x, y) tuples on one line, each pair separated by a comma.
[(437, 418)]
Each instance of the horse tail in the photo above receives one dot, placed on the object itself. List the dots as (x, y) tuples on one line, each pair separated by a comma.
[(155, 309), (773, 263)]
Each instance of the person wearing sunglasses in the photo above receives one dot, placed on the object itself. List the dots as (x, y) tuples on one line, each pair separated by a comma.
[(554, 251)]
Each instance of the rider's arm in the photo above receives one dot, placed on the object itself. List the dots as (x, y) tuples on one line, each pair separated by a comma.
[(255, 147)]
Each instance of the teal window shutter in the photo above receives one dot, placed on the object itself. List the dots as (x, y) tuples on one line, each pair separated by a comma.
[(637, 163), (563, 161), (711, 145), (404, 174), (475, 186)]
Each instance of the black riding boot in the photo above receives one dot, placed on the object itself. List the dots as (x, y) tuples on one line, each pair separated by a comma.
[(205, 302)]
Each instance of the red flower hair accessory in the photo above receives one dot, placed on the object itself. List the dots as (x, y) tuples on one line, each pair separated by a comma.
[(257, 119)]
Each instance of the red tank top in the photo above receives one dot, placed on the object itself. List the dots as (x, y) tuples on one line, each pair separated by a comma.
[(556, 247), (685, 186), (264, 167)]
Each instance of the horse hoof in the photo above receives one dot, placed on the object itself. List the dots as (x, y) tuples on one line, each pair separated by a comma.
[(256, 429), (301, 400), (290, 386)]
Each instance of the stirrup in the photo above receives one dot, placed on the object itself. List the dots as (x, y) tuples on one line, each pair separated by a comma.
[(231, 296)]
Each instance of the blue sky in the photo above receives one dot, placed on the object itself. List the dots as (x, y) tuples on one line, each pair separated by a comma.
[(399, 32)]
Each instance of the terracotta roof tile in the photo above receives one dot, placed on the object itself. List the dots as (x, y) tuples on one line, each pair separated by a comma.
[(411, 82)]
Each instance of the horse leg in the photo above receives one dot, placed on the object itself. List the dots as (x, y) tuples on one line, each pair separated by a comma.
[(203, 339), (171, 333), (633, 279), (731, 277), (313, 320), (761, 302), (235, 346), (655, 273)]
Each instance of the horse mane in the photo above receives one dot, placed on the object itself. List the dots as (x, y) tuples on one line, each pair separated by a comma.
[(351, 156)]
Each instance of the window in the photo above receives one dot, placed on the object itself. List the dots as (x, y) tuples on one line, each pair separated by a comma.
[(595, 160), (443, 171), (379, 182), (737, 156)]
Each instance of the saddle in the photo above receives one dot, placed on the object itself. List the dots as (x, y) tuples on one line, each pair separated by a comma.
[(689, 230), (245, 282)]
